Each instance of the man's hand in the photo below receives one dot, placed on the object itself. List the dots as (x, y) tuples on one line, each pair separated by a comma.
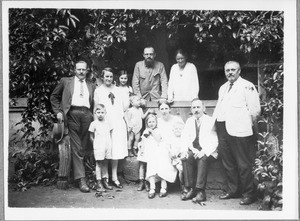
[(183, 155), (60, 117)]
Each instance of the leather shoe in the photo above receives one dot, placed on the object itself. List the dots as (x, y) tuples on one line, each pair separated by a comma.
[(163, 193), (147, 186), (141, 185), (247, 200), (117, 184), (201, 197), (106, 184), (227, 196), (83, 186), (100, 187), (189, 195)]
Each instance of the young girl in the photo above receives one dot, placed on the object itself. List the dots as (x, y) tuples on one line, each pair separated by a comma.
[(175, 149), (125, 89), (159, 167), (100, 135)]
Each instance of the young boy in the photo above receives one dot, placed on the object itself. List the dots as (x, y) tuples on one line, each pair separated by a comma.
[(100, 135)]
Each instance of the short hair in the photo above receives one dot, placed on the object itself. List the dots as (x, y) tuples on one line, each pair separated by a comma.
[(196, 99), (99, 107), (149, 46), (132, 96), (149, 116), (233, 62), (109, 69), (178, 123)]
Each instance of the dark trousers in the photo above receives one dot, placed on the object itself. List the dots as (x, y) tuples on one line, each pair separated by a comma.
[(78, 124), (195, 171), (237, 154)]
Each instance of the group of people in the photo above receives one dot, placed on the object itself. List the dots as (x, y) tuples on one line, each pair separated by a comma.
[(112, 118)]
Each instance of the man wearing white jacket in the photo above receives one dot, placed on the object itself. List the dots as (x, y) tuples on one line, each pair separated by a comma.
[(236, 112), (199, 144)]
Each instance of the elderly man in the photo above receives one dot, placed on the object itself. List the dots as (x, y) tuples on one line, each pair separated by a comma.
[(236, 112), (200, 142), (149, 79), (72, 101)]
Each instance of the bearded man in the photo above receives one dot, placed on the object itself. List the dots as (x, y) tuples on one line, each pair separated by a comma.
[(149, 79)]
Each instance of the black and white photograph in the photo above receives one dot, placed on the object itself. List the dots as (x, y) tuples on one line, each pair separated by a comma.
[(150, 110)]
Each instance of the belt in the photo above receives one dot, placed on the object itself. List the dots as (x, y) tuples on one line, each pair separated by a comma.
[(80, 108)]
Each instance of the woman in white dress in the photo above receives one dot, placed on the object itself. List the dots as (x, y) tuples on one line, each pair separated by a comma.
[(183, 81), (109, 95)]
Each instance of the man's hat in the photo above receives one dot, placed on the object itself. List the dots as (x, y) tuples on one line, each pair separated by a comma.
[(58, 132)]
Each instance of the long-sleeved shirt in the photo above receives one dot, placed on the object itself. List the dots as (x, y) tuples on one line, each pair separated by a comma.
[(183, 84), (150, 83)]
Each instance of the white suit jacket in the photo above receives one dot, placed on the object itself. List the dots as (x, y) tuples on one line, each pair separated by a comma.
[(241, 105), (208, 139)]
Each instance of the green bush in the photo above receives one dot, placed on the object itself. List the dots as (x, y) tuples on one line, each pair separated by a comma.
[(268, 162)]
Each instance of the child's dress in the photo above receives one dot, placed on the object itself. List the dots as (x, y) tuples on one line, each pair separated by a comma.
[(102, 139), (175, 148), (125, 92), (134, 117), (158, 160)]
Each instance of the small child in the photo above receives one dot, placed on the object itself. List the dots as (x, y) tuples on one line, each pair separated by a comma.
[(175, 150), (125, 89), (159, 167), (100, 135), (134, 118)]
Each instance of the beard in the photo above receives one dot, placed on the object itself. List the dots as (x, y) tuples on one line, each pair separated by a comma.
[(149, 63)]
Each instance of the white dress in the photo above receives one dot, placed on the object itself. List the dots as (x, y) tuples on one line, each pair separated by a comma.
[(158, 159), (115, 115), (183, 84), (125, 92)]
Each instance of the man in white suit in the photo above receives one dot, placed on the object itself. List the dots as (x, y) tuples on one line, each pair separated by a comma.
[(199, 144), (236, 112)]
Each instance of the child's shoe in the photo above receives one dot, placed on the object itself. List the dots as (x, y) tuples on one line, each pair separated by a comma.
[(163, 192), (141, 185), (151, 194), (147, 186), (100, 187)]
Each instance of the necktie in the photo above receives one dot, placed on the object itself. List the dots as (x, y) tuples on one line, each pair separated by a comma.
[(230, 86), (81, 88)]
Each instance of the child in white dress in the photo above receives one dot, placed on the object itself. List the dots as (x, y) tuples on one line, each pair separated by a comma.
[(100, 135), (159, 167), (175, 149)]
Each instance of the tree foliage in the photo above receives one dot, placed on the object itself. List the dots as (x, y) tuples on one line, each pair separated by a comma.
[(43, 44)]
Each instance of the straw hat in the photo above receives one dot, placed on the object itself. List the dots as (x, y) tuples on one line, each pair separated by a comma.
[(58, 132)]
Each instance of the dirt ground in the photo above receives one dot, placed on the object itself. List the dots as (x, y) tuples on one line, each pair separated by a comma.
[(127, 198)]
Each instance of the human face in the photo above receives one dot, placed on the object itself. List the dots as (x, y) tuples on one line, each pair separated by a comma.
[(149, 56), (181, 60), (123, 79), (177, 129), (100, 113), (164, 110), (136, 101), (81, 70), (197, 108), (232, 71), (151, 122), (108, 78)]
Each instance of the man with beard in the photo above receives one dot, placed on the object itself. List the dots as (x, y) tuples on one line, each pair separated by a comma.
[(149, 79), (236, 112), (199, 144)]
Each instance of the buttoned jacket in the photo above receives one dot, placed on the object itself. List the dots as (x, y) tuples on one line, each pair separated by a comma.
[(150, 83), (241, 107), (208, 139), (61, 97)]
